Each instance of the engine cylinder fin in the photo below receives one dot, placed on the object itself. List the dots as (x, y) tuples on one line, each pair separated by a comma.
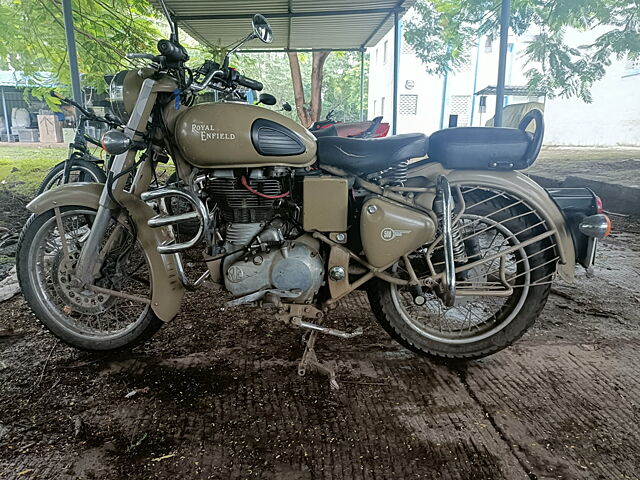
[(239, 204)]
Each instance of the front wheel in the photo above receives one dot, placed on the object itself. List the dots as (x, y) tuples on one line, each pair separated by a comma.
[(81, 171), (493, 227), (82, 317)]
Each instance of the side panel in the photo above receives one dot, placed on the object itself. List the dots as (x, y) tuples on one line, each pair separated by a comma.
[(389, 230), (516, 184), (325, 204), (167, 289), (216, 135)]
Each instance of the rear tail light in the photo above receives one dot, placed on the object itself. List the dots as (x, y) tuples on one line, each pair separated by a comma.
[(599, 208), (598, 226)]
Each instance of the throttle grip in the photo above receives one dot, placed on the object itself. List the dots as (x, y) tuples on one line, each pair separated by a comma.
[(249, 83)]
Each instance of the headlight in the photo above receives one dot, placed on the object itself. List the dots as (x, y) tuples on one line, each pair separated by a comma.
[(123, 93)]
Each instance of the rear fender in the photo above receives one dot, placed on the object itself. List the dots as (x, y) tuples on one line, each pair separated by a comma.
[(517, 184), (168, 290)]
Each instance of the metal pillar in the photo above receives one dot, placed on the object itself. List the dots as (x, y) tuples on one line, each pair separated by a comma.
[(67, 12), (475, 83), (362, 85), (505, 14), (7, 118), (397, 51), (444, 98)]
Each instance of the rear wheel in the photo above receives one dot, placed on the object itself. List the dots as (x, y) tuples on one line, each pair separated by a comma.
[(81, 171), (479, 323), (81, 317)]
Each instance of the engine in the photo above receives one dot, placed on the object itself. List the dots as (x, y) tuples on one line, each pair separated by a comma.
[(250, 198), (266, 254)]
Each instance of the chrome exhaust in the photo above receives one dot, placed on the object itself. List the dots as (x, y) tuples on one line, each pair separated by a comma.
[(199, 212)]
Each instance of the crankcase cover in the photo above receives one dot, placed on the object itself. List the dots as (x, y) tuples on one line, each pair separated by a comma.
[(298, 266), (390, 230)]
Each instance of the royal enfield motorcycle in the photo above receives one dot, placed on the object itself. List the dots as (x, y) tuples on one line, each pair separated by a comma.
[(454, 247)]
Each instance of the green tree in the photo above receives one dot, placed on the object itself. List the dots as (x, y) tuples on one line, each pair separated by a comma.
[(106, 30), (442, 32)]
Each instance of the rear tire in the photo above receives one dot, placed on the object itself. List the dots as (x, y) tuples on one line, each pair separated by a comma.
[(510, 320)]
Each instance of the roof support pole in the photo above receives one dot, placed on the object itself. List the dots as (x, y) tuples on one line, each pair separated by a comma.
[(67, 12), (397, 50), (361, 85), (7, 118), (505, 14), (443, 102), (475, 83)]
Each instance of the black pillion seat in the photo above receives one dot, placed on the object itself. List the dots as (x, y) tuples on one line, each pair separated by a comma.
[(488, 148), (368, 155)]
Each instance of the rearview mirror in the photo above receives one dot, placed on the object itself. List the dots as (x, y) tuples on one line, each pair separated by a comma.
[(267, 99), (262, 29)]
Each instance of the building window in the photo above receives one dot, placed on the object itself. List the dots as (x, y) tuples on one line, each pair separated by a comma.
[(460, 109), (384, 51), (408, 105), (488, 45), (632, 67), (382, 107)]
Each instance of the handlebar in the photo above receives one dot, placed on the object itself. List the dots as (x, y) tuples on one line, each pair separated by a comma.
[(249, 82), (108, 118)]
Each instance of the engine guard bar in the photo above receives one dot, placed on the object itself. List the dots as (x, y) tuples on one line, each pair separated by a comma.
[(199, 212)]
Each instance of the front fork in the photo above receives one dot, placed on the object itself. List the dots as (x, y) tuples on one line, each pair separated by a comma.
[(89, 261)]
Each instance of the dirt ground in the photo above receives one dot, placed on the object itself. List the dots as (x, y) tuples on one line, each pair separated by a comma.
[(217, 396), (614, 165)]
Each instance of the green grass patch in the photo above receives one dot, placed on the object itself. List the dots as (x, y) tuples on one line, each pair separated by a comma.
[(22, 169)]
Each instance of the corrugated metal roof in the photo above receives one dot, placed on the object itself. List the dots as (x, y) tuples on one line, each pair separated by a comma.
[(297, 24), (515, 90)]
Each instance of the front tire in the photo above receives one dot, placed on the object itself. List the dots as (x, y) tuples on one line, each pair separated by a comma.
[(476, 326), (85, 319)]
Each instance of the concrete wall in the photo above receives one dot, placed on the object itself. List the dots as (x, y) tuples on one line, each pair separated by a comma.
[(612, 119)]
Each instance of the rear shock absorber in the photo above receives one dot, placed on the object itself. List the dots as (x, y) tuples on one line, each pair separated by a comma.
[(459, 250)]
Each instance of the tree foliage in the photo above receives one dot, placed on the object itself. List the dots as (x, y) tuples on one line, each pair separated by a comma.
[(34, 41), (34, 38), (442, 32)]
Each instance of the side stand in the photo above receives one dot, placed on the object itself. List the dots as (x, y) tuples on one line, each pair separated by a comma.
[(310, 359)]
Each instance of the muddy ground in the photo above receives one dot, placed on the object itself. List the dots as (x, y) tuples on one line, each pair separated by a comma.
[(218, 396)]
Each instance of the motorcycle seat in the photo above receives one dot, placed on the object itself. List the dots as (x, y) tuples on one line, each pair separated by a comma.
[(488, 148), (368, 155)]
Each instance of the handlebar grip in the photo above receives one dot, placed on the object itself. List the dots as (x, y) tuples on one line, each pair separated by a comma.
[(249, 83), (172, 51)]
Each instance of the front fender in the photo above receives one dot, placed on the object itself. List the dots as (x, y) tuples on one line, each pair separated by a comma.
[(167, 293), (521, 186)]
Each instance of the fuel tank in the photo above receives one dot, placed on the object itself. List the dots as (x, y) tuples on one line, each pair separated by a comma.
[(215, 135)]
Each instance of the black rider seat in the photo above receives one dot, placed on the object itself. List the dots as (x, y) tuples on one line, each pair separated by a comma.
[(481, 148), (368, 155)]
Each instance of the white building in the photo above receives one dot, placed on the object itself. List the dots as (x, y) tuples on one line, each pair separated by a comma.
[(427, 102)]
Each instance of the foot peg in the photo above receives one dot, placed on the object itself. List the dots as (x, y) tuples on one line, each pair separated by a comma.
[(199, 212), (326, 330)]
